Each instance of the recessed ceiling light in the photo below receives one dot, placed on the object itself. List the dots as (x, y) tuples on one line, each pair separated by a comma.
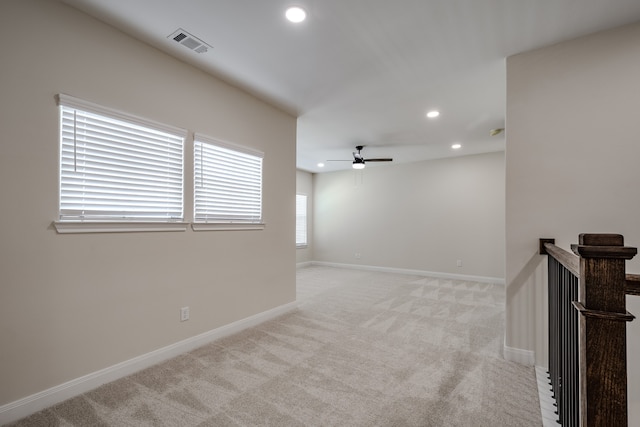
[(433, 114), (296, 14), (320, 165), (456, 146)]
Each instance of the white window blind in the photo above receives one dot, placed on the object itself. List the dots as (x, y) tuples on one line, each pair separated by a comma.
[(115, 167), (228, 183), (301, 220)]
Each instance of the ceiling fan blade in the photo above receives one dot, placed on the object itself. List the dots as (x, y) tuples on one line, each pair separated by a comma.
[(359, 160)]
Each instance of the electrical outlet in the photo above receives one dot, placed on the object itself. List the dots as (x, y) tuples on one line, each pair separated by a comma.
[(358, 255), (184, 314), (459, 263)]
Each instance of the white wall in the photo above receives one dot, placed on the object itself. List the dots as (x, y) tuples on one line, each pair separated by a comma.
[(572, 162), (304, 185), (73, 304), (418, 216)]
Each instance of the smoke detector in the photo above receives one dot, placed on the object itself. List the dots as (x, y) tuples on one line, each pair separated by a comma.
[(189, 40)]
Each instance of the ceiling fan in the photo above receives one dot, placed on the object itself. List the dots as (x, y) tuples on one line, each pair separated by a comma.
[(359, 161)]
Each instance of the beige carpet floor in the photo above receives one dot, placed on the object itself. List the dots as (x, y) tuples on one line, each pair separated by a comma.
[(362, 349)]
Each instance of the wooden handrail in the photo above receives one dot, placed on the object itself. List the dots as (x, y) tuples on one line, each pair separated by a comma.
[(633, 284), (572, 263)]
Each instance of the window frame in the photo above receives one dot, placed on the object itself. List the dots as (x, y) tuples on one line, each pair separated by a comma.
[(302, 245), (232, 223), (127, 224)]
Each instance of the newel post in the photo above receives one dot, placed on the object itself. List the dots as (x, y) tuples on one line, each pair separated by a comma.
[(603, 317)]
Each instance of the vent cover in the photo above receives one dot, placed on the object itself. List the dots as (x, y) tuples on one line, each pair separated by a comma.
[(190, 41)]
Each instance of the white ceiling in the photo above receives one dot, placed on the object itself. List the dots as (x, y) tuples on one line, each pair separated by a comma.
[(365, 72)]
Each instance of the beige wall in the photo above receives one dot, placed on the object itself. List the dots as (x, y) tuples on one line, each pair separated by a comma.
[(418, 216), (73, 304), (304, 185), (573, 157)]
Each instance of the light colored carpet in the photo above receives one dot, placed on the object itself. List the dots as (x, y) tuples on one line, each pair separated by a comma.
[(363, 349)]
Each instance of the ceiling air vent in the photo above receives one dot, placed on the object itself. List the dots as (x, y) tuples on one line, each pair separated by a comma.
[(190, 41)]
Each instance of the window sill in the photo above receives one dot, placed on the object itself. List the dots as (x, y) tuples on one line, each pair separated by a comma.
[(301, 246), (67, 227), (223, 226), (70, 227)]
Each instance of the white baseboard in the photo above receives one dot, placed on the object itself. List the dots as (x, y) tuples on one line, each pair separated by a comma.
[(21, 408), (518, 355), (304, 264), (482, 279)]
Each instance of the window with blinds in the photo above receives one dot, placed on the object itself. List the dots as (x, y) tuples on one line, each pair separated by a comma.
[(301, 220), (115, 167), (228, 183)]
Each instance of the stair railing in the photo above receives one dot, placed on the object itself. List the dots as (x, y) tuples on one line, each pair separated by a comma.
[(587, 329)]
